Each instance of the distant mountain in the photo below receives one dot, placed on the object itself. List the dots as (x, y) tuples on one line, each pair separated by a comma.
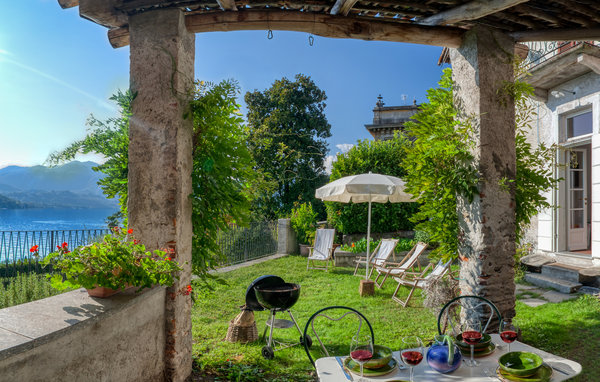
[(72, 185), (8, 203)]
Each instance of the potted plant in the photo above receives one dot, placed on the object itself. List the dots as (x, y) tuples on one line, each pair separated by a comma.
[(117, 262), (304, 223)]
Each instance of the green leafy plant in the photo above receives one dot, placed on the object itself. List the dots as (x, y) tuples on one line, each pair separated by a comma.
[(439, 165), (304, 222), (116, 262)]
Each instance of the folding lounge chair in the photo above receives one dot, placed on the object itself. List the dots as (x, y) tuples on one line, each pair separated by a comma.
[(379, 256), (323, 249), (414, 280), (399, 269)]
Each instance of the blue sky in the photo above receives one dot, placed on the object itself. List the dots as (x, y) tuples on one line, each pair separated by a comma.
[(57, 68)]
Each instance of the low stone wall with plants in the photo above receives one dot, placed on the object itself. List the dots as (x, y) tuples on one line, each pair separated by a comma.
[(73, 337)]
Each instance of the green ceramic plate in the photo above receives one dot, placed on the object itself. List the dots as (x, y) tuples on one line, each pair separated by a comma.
[(481, 353), (355, 368), (381, 357), (543, 374)]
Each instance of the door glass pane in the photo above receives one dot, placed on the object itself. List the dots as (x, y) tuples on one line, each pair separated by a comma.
[(579, 125), (576, 160), (577, 199), (576, 179), (577, 219)]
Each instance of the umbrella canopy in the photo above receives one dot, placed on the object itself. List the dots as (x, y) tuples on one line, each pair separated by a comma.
[(365, 188)]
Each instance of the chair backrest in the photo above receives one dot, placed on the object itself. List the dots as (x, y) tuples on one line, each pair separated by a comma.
[(385, 249), (417, 250), (468, 308), (323, 243), (439, 270), (330, 341)]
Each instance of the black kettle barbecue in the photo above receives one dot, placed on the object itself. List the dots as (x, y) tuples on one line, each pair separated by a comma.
[(273, 293)]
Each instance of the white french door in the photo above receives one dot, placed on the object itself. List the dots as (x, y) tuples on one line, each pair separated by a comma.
[(577, 200)]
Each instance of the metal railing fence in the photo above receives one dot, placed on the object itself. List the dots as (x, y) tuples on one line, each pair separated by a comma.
[(238, 244), (15, 245), (241, 244)]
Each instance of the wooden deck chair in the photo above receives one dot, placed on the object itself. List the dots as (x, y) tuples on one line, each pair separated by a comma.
[(414, 280), (399, 269), (323, 249), (380, 254)]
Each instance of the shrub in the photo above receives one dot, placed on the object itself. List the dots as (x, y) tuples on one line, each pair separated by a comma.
[(24, 288), (304, 222)]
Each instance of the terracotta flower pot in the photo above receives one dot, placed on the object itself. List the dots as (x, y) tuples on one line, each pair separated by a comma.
[(103, 292)]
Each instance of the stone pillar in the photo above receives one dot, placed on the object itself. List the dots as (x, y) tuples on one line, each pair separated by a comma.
[(160, 161), (286, 237), (481, 66)]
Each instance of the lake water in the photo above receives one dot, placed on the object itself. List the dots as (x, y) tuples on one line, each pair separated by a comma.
[(42, 219)]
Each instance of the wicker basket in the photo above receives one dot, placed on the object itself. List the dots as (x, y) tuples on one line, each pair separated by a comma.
[(242, 328)]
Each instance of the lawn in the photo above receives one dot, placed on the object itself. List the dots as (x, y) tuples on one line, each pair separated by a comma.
[(570, 329)]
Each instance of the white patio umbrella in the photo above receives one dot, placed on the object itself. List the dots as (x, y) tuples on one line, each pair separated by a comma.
[(371, 188)]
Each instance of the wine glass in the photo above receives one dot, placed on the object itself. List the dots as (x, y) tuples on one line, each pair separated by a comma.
[(471, 334), (412, 352), (361, 350), (508, 331)]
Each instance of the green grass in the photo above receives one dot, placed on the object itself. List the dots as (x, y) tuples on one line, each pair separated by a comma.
[(214, 309), (570, 329)]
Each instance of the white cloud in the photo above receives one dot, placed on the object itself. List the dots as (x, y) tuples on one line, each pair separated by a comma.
[(329, 159), (344, 147)]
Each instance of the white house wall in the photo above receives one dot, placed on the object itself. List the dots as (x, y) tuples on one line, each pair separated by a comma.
[(587, 95)]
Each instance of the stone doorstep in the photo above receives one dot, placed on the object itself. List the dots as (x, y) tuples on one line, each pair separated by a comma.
[(545, 281), (562, 271)]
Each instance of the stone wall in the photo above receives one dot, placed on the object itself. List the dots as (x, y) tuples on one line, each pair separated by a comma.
[(73, 337)]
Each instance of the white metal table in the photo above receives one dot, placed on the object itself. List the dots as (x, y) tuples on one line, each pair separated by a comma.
[(328, 369)]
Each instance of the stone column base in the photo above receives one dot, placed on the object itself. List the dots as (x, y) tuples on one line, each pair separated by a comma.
[(366, 288)]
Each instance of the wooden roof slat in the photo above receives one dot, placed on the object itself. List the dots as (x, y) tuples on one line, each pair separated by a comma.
[(342, 7), (472, 10), (520, 20), (227, 5), (539, 13), (582, 9), (103, 13)]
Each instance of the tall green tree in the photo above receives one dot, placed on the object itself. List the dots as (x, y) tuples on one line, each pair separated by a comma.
[(224, 179), (380, 157), (439, 164), (287, 132)]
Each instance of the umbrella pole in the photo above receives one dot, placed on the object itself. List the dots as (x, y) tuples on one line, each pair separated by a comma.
[(368, 239)]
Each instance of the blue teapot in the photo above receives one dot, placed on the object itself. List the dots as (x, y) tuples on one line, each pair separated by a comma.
[(443, 356)]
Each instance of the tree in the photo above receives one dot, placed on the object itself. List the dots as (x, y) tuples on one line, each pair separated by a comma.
[(382, 157), (223, 174), (439, 165), (287, 132)]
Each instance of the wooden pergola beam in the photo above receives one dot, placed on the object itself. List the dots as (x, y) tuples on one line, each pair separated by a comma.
[(102, 12), (324, 25), (570, 34), (470, 11), (227, 5), (342, 7), (64, 4), (318, 24)]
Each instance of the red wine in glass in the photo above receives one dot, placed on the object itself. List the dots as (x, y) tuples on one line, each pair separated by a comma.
[(471, 334), (361, 350), (471, 337), (361, 355), (412, 352), (412, 358), (508, 332)]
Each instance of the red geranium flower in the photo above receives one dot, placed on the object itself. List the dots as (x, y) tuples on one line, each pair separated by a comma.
[(130, 231), (135, 241), (34, 248), (65, 245), (168, 258)]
